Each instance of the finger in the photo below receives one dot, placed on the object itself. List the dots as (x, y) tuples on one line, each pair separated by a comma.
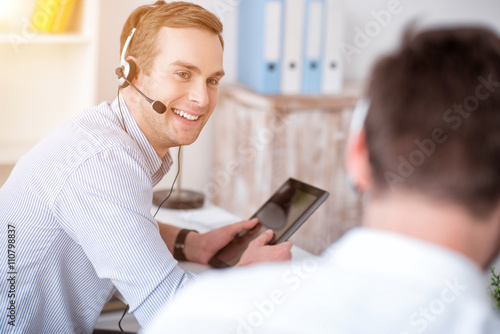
[(243, 225), (281, 252), (248, 224), (287, 245), (233, 229), (287, 249), (263, 239)]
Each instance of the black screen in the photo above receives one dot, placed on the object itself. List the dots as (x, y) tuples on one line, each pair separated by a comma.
[(280, 213)]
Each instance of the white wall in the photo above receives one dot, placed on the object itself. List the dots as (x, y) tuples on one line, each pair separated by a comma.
[(359, 16)]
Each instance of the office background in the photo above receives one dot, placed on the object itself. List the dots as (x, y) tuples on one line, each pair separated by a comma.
[(105, 29), (198, 158), (357, 15)]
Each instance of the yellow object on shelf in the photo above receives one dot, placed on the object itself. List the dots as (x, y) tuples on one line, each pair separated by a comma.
[(52, 16), (44, 15), (64, 15)]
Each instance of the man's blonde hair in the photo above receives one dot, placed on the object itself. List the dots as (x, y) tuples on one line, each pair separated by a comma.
[(148, 20)]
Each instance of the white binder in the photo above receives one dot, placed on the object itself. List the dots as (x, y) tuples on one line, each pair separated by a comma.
[(293, 35), (333, 68)]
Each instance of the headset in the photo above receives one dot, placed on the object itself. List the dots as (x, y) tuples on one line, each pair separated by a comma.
[(359, 116), (126, 73), (358, 119)]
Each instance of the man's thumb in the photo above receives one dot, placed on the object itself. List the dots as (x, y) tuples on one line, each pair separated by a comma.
[(264, 238)]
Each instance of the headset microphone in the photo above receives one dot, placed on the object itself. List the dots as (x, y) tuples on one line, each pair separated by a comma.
[(126, 73), (158, 106)]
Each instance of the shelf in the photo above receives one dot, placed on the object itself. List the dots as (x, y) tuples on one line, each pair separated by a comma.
[(9, 154), (50, 76), (347, 99), (20, 39)]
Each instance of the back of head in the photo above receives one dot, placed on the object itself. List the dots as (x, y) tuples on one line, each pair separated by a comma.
[(434, 120), (149, 19)]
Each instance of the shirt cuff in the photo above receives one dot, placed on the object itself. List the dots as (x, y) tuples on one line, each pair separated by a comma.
[(161, 295)]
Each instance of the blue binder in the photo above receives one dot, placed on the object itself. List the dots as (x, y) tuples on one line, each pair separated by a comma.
[(313, 46), (260, 35)]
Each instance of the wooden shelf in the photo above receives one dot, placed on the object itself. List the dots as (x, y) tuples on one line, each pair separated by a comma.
[(347, 99), (51, 76), (45, 39)]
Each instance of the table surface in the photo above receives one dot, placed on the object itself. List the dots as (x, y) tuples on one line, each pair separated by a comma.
[(202, 220), (205, 219)]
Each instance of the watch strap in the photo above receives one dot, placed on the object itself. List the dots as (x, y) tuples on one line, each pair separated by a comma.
[(179, 244)]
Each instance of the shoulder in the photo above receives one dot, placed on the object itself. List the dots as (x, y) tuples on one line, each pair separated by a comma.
[(101, 125), (96, 137)]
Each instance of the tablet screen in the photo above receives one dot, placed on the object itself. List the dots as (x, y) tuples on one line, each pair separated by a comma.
[(284, 212)]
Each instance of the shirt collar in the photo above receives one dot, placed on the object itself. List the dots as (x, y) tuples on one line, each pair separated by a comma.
[(396, 255), (159, 167)]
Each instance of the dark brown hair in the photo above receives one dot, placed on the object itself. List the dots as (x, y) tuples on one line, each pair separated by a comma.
[(434, 118), (148, 20)]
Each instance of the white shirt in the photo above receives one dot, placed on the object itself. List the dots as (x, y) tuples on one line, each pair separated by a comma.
[(79, 208), (368, 282)]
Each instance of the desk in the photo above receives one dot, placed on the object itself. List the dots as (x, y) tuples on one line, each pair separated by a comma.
[(205, 219)]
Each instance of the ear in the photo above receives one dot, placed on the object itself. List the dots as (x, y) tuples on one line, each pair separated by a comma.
[(358, 162), (136, 67)]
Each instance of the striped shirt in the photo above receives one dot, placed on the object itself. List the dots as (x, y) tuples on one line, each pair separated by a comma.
[(77, 226)]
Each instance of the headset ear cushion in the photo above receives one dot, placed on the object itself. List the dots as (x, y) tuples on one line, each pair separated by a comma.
[(131, 72), (127, 70)]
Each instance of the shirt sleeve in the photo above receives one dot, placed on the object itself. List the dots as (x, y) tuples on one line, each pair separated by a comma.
[(105, 207)]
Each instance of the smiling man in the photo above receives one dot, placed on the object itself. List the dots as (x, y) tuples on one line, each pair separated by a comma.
[(76, 210)]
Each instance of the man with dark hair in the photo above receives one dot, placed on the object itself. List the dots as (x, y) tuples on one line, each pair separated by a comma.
[(428, 160), (76, 210)]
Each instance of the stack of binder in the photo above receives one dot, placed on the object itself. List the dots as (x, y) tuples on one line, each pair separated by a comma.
[(290, 46)]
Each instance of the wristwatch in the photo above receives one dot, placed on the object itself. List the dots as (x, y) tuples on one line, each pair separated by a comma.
[(179, 244)]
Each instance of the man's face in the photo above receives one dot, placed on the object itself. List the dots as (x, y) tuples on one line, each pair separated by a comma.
[(184, 76)]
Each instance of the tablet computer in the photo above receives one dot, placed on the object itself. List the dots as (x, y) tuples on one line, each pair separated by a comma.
[(286, 210)]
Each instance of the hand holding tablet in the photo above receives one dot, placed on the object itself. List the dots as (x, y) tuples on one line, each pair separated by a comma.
[(286, 210)]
